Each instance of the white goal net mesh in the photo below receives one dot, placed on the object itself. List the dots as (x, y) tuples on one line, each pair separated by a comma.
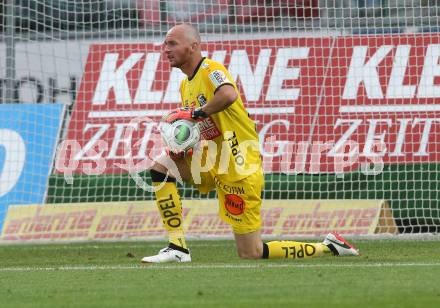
[(345, 95)]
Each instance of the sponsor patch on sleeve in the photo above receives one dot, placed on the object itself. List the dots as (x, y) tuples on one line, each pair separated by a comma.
[(218, 78)]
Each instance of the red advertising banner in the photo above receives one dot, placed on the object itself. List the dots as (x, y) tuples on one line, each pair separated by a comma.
[(141, 220), (382, 102), (321, 104)]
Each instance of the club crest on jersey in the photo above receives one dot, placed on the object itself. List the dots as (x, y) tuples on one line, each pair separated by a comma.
[(202, 99), (218, 78)]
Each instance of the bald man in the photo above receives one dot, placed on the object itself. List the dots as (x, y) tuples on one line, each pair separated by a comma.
[(210, 95)]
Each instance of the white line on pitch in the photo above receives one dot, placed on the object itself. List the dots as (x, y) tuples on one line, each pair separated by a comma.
[(113, 246), (155, 113), (389, 108), (211, 266)]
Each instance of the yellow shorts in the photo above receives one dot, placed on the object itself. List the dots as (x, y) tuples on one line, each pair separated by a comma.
[(239, 202)]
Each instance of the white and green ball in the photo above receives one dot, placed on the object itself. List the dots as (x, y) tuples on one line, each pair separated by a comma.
[(181, 135)]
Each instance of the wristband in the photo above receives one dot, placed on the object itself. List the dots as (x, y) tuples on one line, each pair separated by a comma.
[(198, 113)]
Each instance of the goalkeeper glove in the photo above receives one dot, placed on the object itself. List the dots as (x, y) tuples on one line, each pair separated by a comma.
[(186, 114)]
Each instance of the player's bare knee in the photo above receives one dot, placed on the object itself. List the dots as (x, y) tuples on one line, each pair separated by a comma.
[(159, 168), (177, 169), (250, 254)]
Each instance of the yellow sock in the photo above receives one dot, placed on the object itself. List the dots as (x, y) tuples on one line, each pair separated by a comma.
[(170, 208), (293, 250)]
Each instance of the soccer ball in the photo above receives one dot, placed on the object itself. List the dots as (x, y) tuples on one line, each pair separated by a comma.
[(181, 135)]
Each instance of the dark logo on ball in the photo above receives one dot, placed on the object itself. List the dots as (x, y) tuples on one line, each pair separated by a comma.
[(182, 133)]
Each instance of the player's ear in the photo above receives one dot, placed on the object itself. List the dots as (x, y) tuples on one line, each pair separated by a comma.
[(195, 46)]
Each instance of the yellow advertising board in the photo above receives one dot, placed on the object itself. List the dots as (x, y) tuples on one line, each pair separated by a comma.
[(141, 220)]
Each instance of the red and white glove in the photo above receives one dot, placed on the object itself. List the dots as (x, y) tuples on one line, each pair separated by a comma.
[(190, 114)]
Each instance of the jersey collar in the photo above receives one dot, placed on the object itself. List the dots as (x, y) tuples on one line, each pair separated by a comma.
[(196, 69)]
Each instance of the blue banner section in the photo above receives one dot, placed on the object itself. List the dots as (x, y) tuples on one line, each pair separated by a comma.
[(28, 135)]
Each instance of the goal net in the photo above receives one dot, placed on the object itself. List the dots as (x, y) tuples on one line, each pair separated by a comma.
[(345, 95)]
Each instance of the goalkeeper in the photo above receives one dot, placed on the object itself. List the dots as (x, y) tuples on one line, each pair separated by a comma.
[(210, 95)]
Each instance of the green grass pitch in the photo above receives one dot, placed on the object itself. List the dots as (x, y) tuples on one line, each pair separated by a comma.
[(390, 273)]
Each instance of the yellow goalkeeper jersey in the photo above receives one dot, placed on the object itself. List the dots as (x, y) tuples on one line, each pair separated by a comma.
[(233, 131)]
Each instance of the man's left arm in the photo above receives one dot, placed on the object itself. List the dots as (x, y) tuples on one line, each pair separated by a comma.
[(224, 97)]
